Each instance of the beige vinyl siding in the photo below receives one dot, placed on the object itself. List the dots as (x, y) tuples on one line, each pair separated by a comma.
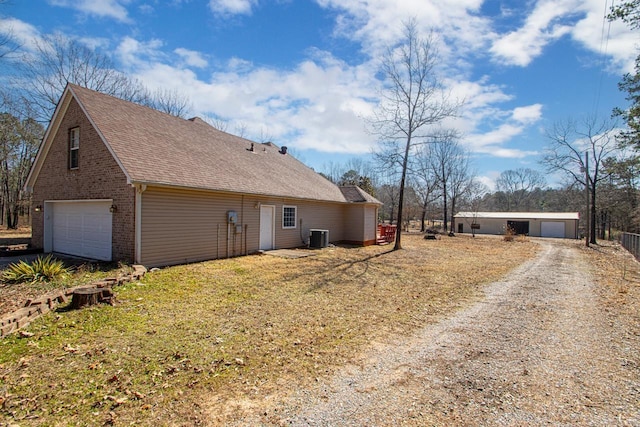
[(181, 226), (355, 217), (311, 215), (362, 223), (370, 223)]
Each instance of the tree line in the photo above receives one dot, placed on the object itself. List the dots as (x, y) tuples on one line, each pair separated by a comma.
[(426, 169), (421, 170)]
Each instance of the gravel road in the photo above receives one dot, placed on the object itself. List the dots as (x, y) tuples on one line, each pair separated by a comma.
[(535, 350)]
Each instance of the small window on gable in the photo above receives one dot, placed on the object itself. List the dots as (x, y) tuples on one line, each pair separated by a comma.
[(74, 147), (289, 216)]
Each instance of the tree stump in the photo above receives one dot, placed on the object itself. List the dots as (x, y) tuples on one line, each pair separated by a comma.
[(85, 296)]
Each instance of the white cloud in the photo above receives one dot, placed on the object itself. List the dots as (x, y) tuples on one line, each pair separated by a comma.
[(583, 20), (317, 105), (543, 26), (25, 35), (528, 114), (492, 141), (134, 54), (192, 58), (232, 7), (101, 8), (613, 39), (489, 179), (378, 23)]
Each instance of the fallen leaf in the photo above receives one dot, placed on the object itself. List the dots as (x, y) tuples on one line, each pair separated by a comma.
[(70, 349)]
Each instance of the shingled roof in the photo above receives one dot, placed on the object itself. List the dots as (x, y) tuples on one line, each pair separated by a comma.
[(355, 194), (155, 148)]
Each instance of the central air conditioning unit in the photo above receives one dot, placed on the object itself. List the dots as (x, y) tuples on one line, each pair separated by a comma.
[(318, 238)]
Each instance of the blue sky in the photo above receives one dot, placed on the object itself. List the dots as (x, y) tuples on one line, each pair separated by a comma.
[(301, 73)]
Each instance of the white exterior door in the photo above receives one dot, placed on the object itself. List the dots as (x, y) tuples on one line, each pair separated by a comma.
[(552, 229), (82, 229), (267, 227)]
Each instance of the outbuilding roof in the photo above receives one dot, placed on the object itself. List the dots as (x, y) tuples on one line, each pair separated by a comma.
[(355, 194), (156, 148), (520, 215)]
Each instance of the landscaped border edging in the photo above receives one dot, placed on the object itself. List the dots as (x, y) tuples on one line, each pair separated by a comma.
[(34, 308)]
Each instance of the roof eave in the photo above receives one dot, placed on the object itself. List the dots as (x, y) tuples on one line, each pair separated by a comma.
[(52, 130), (147, 183)]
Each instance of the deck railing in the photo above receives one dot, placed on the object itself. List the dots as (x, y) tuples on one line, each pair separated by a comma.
[(631, 242)]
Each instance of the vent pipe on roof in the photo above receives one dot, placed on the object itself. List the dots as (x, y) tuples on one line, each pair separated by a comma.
[(250, 149), (283, 150)]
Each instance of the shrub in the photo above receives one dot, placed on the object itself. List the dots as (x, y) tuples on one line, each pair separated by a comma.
[(509, 234), (41, 270)]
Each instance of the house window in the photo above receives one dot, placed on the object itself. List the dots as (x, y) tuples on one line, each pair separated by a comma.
[(289, 216), (74, 147)]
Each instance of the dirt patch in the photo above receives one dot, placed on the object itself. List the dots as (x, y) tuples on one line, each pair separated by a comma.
[(545, 345)]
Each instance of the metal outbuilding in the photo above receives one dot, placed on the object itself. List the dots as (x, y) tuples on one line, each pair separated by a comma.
[(535, 224)]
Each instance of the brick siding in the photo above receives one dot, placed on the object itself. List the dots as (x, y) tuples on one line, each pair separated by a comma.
[(98, 177)]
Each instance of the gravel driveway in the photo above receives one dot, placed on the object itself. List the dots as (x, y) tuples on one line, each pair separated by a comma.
[(536, 350)]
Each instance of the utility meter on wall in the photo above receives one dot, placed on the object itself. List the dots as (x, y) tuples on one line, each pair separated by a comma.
[(232, 217)]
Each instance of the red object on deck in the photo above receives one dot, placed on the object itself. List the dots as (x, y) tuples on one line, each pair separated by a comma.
[(386, 234)]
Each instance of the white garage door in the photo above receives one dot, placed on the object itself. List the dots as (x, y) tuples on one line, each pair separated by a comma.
[(82, 229), (552, 229)]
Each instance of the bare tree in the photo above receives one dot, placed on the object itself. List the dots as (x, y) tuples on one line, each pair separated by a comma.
[(412, 102), (58, 61), (19, 142), (444, 154), (425, 181), (461, 180), (569, 142), (473, 202), (169, 101), (517, 186), (8, 42), (241, 129), (216, 122), (388, 192)]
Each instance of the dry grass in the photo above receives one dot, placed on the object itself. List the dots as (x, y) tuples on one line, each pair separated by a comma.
[(20, 236), (197, 343), (618, 274)]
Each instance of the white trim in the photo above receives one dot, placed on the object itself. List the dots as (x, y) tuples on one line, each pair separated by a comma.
[(74, 146), (104, 140), (52, 130), (140, 188), (77, 200), (295, 217), (521, 215)]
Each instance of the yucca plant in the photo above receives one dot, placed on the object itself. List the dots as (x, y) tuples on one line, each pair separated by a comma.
[(41, 270)]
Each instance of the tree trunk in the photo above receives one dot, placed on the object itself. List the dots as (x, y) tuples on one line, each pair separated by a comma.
[(85, 296), (592, 237), (453, 220), (405, 162)]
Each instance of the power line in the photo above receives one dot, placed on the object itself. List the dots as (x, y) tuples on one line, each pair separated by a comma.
[(604, 46)]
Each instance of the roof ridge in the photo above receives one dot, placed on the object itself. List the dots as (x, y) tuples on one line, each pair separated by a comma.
[(156, 147)]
